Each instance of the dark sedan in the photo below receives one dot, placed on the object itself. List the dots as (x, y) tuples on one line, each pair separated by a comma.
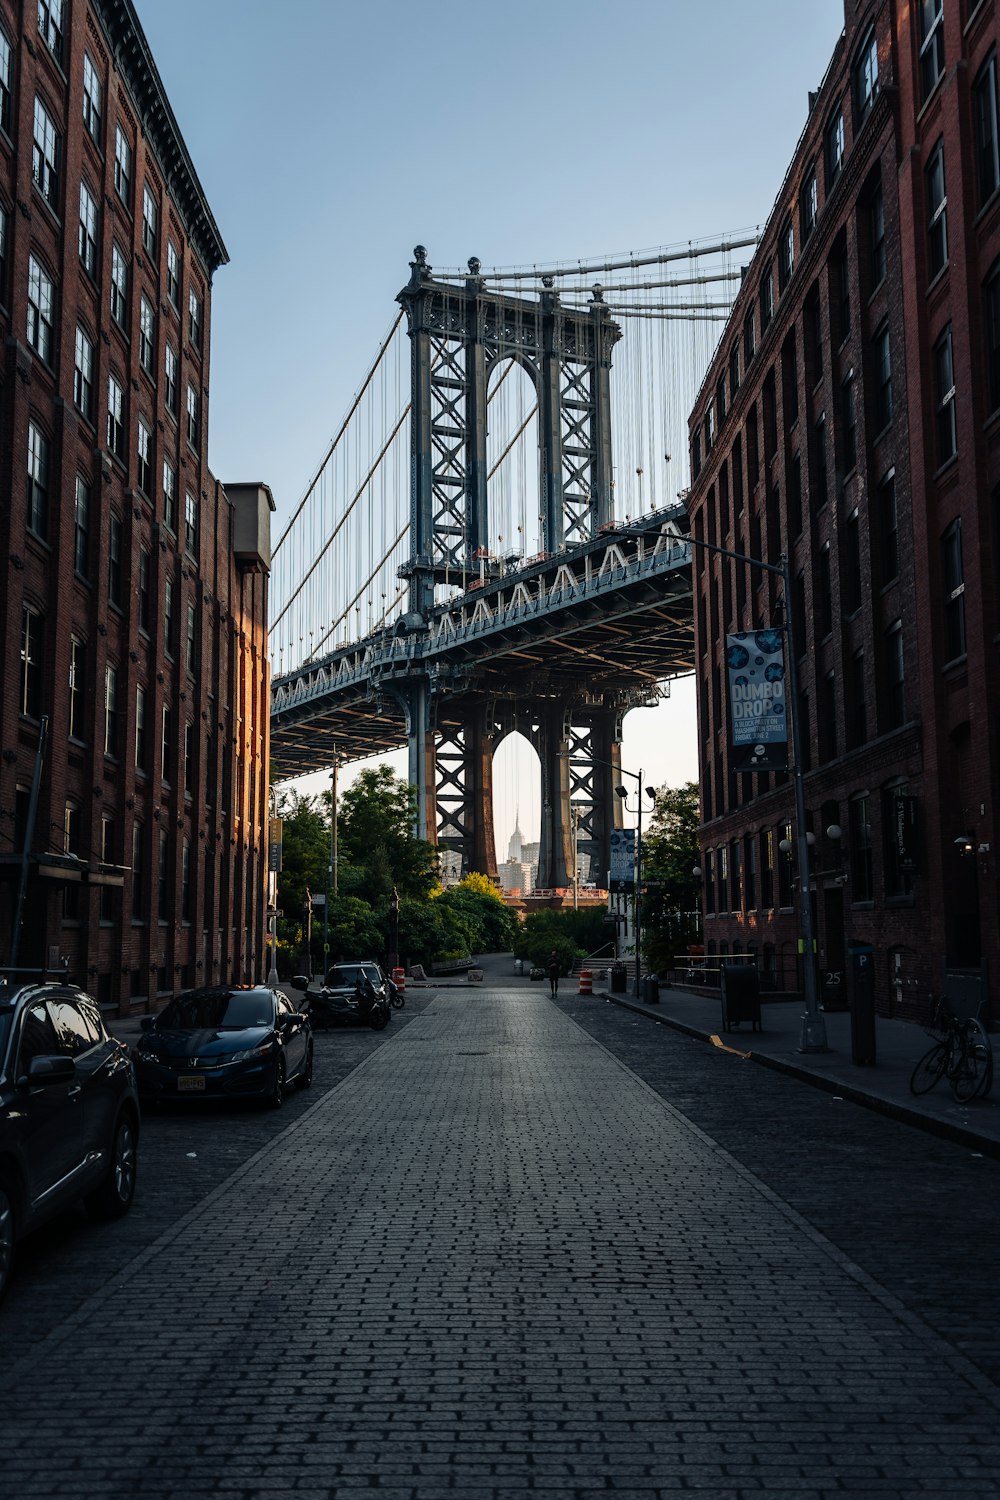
[(240, 1042), (69, 1115)]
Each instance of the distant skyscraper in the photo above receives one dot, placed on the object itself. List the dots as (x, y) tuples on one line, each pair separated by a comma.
[(515, 849)]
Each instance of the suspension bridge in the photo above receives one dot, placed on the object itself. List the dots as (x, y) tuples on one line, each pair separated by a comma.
[(495, 539)]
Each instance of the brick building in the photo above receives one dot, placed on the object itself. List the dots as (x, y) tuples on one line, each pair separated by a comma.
[(851, 420), (133, 620)]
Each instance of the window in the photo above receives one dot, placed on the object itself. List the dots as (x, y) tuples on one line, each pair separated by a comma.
[(145, 575), (123, 167), (30, 701), (722, 878), (138, 884), (808, 204), (111, 715), (41, 299), (190, 523), (45, 156), (144, 458), (192, 416), (147, 334), (834, 147), (991, 320), (186, 882), (6, 79), (840, 293), (876, 237), (50, 26), (818, 490), (169, 496), (194, 318), (850, 576), (944, 399), (786, 254), (38, 482), (866, 77), (953, 587), (163, 878), (888, 532), (83, 375), (116, 418), (167, 743), (784, 866), (827, 716), (92, 99), (931, 44), (767, 869), (119, 286), (766, 297), (141, 730), (4, 239), (824, 594), (892, 706), (795, 497), (88, 230), (115, 559), (173, 274), (81, 527), (77, 686), (709, 427), (749, 339), (861, 848), (734, 371), (883, 378), (188, 759), (813, 330), (170, 383), (937, 212), (720, 398), (849, 422), (984, 107), (109, 845), (857, 716), (191, 639), (168, 617), (150, 218), (696, 452)]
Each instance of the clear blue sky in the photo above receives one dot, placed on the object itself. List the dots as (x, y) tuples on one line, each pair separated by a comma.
[(331, 137)]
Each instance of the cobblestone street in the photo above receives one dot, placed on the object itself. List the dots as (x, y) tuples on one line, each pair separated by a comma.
[(496, 1259)]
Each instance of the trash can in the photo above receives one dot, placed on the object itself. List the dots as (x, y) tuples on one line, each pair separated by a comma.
[(651, 989), (740, 989), (861, 997), (619, 979)]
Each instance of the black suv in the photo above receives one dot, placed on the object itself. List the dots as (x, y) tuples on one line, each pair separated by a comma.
[(69, 1111)]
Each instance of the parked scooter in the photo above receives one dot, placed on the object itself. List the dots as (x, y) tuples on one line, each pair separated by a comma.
[(397, 995), (361, 1005)]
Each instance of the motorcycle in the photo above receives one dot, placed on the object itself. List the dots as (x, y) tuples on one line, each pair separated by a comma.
[(397, 995), (360, 1005)]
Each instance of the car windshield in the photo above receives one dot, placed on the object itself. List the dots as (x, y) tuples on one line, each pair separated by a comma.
[(220, 1010), (351, 973)]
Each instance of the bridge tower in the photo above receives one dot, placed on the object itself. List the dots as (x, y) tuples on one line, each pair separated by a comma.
[(459, 333)]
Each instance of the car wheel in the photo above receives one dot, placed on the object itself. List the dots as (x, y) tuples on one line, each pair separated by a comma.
[(114, 1197), (8, 1234), (379, 1018), (276, 1097), (306, 1076)]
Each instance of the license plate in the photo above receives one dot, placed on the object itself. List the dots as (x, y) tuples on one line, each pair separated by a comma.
[(190, 1083)]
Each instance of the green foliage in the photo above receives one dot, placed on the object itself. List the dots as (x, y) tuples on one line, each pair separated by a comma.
[(430, 930), (305, 856), (376, 846), (670, 854), (480, 905), (560, 931), (355, 931)]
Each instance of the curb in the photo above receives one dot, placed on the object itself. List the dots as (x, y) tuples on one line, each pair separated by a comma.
[(891, 1108)]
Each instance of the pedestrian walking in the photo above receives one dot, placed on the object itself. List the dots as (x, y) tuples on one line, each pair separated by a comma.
[(552, 969)]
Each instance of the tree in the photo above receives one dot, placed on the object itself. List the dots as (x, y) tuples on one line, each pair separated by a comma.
[(478, 901), (670, 855), (305, 860), (376, 846)]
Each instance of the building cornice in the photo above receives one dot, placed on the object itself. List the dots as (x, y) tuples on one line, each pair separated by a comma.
[(134, 61)]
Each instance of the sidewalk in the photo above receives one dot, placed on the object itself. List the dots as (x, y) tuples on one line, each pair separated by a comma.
[(884, 1087)]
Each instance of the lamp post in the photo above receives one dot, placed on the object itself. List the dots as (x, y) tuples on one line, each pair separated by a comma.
[(331, 874), (272, 893), (622, 792), (812, 1036)]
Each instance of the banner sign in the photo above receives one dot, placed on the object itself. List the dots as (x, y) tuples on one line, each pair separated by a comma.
[(274, 831), (622, 859), (904, 830), (758, 720)]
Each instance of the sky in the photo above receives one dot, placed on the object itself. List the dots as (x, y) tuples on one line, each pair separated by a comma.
[(332, 137)]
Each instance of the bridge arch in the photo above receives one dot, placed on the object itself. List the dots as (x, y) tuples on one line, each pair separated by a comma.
[(513, 461), (517, 810)]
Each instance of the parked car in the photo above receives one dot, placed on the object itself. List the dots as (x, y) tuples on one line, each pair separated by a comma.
[(346, 976), (69, 1111), (229, 1042)]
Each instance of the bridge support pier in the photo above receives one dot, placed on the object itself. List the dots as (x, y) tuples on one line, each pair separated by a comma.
[(465, 789)]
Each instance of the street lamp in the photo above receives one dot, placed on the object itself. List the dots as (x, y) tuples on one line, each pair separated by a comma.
[(272, 891), (812, 1037), (622, 792)]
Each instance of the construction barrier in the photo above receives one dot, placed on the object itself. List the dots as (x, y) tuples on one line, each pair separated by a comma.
[(398, 977), (586, 982)]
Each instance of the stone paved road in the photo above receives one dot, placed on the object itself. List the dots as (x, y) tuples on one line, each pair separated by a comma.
[(494, 1262)]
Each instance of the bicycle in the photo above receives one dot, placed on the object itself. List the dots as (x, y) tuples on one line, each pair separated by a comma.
[(962, 1053)]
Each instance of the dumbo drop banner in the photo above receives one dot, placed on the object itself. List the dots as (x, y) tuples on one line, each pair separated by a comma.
[(758, 720)]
